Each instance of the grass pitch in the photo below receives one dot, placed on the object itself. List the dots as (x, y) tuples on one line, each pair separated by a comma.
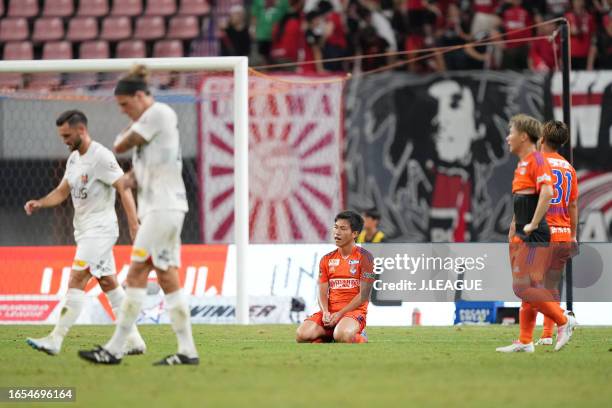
[(262, 366)]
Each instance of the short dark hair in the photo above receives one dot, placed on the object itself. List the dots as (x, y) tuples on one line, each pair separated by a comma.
[(555, 134), (73, 117), (354, 219), (372, 213)]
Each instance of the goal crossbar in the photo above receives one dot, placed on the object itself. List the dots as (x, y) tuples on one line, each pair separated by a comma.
[(239, 66)]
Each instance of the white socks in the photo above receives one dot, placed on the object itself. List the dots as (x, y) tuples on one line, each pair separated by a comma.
[(75, 299), (115, 297), (180, 317), (129, 310)]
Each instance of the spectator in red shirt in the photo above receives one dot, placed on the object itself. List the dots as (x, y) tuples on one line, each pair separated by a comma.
[(515, 20), (542, 51), (582, 30), (312, 48), (288, 35), (601, 52)]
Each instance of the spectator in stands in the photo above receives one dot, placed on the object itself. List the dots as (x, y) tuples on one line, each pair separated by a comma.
[(422, 16), (370, 232), (235, 38), (454, 34), (288, 35), (542, 51), (601, 52), (582, 31), (264, 15), (369, 41), (314, 39), (551, 8), (515, 20), (333, 36), (485, 18)]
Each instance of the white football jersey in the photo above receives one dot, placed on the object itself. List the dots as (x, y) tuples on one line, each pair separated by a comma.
[(91, 177), (158, 164)]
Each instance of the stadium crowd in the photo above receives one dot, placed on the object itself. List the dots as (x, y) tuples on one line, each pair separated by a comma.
[(295, 31)]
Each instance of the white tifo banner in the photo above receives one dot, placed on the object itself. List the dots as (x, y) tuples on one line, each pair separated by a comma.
[(295, 160)]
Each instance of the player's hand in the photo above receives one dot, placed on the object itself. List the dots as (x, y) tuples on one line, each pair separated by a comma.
[(326, 316), (334, 319), (32, 206), (529, 228)]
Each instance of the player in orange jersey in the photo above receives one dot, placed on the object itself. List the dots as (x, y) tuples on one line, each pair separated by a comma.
[(345, 281), (562, 214), (529, 235)]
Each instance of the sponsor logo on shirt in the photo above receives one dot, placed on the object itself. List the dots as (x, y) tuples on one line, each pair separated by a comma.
[(139, 252), (353, 261), (348, 283), (542, 178), (333, 262)]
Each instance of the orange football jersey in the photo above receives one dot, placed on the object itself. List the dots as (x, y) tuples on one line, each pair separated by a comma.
[(565, 189), (344, 276), (532, 172)]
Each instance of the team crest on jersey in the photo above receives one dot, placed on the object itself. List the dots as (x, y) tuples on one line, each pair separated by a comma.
[(353, 269), (522, 171), (333, 262), (84, 178)]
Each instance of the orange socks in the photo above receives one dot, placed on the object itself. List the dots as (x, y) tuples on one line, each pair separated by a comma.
[(527, 317)]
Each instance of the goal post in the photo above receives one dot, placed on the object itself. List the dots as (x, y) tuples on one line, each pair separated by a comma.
[(239, 67)]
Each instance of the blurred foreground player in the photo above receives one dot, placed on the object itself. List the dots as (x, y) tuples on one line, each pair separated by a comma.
[(92, 176), (562, 215), (162, 203), (530, 236), (345, 281)]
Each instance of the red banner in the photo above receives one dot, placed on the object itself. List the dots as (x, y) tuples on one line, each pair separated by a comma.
[(45, 270)]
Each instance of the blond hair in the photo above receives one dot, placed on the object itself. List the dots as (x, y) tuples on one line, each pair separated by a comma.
[(528, 124)]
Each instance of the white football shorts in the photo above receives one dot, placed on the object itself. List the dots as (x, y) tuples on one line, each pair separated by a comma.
[(159, 239), (95, 254)]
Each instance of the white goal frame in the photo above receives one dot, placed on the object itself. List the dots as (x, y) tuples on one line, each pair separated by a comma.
[(239, 66)]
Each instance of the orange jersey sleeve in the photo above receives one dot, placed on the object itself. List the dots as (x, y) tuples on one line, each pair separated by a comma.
[(323, 269), (532, 172)]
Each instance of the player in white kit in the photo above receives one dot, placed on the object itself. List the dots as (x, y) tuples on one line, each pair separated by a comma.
[(91, 178), (162, 203)]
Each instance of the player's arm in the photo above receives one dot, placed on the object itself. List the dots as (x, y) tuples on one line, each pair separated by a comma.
[(512, 229), (123, 187), (573, 214), (128, 140), (546, 194), (55, 197)]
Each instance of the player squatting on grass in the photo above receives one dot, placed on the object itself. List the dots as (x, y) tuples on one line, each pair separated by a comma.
[(346, 277)]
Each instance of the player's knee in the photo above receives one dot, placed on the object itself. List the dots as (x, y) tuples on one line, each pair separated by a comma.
[(137, 275), (108, 283), (344, 335), (302, 334), (78, 279)]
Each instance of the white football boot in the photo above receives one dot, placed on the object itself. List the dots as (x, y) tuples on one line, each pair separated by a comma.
[(517, 347)]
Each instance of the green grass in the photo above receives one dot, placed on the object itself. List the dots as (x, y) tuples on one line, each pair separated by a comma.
[(261, 366)]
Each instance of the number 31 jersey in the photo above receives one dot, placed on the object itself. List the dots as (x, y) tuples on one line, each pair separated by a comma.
[(565, 191)]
